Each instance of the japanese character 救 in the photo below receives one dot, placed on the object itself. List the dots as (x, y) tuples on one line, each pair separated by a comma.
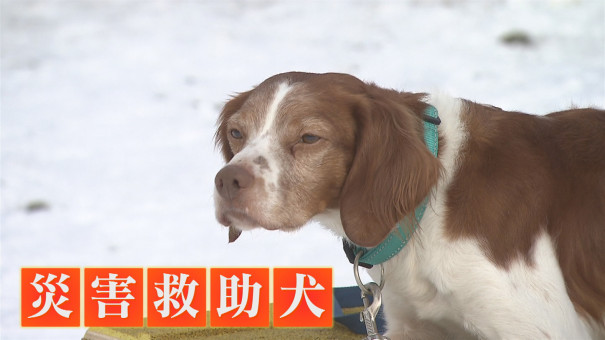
[(171, 289)]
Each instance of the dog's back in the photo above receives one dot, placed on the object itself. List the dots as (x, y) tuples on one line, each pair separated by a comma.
[(523, 175)]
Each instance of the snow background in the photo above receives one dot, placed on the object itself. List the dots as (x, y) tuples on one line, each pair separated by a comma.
[(109, 109)]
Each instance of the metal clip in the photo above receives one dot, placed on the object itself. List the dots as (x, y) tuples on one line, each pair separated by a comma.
[(368, 315), (370, 311)]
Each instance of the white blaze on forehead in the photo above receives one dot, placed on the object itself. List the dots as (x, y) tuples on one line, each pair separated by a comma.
[(264, 144), (278, 97)]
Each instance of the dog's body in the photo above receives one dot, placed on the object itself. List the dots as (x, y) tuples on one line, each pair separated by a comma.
[(511, 245)]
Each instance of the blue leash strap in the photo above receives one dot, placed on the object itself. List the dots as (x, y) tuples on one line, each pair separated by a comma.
[(349, 297)]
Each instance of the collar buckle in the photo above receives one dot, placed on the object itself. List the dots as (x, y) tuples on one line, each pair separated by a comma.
[(350, 252)]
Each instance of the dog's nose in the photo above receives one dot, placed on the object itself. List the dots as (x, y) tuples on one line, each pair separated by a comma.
[(231, 180)]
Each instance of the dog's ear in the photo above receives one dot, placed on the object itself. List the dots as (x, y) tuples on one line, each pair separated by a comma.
[(230, 108), (392, 171)]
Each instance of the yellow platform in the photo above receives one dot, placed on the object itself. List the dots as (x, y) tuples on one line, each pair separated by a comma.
[(338, 332)]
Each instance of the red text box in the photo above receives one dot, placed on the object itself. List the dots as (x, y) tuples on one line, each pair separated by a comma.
[(176, 297), (113, 297), (50, 297), (239, 297), (302, 297)]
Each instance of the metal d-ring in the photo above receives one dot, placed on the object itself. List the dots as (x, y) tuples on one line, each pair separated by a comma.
[(361, 285)]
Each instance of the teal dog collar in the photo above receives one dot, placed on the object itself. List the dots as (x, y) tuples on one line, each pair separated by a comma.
[(399, 237)]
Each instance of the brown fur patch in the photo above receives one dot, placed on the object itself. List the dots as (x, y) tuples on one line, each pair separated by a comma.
[(520, 175)]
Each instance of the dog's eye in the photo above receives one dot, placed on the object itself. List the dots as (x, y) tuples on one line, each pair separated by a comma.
[(237, 134), (309, 139)]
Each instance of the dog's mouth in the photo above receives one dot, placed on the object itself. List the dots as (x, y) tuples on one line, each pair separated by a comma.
[(238, 218), (237, 221)]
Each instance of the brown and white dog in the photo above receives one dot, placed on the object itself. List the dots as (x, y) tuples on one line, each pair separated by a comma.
[(512, 244)]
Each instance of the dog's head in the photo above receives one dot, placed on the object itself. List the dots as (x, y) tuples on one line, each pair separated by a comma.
[(299, 143)]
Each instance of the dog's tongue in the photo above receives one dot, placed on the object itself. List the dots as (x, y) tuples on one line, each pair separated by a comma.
[(233, 234)]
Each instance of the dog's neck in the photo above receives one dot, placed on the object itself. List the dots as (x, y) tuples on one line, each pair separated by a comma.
[(330, 219), (449, 109)]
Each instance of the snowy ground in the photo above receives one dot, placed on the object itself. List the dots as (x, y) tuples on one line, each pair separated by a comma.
[(108, 111)]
